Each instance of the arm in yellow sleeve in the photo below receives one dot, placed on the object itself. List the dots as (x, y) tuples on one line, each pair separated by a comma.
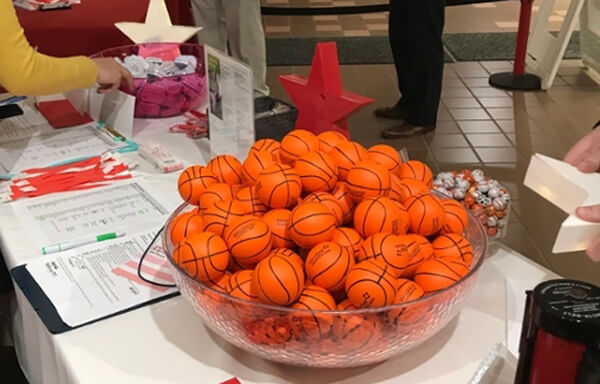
[(25, 72)]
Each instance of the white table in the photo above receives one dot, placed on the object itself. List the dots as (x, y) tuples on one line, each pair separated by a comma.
[(167, 343)]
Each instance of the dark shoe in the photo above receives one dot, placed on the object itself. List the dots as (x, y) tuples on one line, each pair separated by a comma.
[(395, 113), (406, 130)]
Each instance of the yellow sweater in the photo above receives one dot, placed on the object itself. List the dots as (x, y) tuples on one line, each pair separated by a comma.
[(25, 72)]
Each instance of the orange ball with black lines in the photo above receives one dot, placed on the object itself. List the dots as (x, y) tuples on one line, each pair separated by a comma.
[(184, 225), (456, 217), (415, 169), (387, 248), (278, 280), (329, 201), (407, 291), (249, 239), (387, 156), (296, 144), (453, 245), (370, 284), (286, 252), (219, 284), (240, 285), (314, 299), (278, 186), (227, 168), (378, 214), (368, 179), (203, 256), (395, 187), (311, 224), (317, 170), (436, 274), (193, 181), (341, 194), (403, 218), (221, 215), (327, 265), (247, 198), (266, 145), (254, 165), (406, 188), (278, 221), (215, 193), (329, 139), (346, 155), (418, 248), (427, 214), (349, 238)]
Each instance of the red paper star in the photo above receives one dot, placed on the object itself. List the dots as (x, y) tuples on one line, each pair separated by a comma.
[(322, 103)]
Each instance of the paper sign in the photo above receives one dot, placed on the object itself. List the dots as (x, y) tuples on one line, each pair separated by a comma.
[(115, 109), (231, 106), (567, 188)]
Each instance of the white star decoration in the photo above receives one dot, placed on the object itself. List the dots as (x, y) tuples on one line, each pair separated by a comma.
[(157, 28)]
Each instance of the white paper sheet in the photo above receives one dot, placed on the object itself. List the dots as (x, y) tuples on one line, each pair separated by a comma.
[(231, 107), (115, 109), (123, 207), (82, 283), (25, 125), (48, 148)]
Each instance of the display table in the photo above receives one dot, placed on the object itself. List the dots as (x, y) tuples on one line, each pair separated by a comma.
[(88, 27), (167, 343)]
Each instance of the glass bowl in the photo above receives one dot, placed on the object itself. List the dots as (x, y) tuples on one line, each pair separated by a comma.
[(329, 338), (165, 96)]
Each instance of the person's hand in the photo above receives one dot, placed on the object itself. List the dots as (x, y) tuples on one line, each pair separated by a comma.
[(585, 155), (591, 213), (111, 75)]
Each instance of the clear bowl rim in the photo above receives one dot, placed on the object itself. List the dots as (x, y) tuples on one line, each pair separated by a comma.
[(360, 311)]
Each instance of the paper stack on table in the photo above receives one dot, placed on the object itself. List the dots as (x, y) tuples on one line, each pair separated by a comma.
[(567, 188)]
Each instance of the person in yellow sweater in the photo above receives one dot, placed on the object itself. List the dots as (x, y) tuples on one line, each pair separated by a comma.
[(25, 72)]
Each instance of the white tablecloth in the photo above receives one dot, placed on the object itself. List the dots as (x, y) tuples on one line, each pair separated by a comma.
[(167, 343)]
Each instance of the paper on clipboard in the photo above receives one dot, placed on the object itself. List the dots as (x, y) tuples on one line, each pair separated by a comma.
[(567, 188)]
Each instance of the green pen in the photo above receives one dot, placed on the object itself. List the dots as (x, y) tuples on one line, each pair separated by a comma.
[(59, 247)]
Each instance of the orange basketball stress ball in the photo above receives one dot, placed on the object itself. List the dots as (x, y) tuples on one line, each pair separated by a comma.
[(184, 225), (329, 201), (327, 265), (415, 169), (278, 280), (418, 248), (278, 221), (227, 168), (219, 216), (341, 194), (403, 218), (377, 214), (249, 240), (311, 224), (427, 215), (387, 156), (388, 248), (349, 238), (346, 155), (203, 256), (394, 192), (214, 193), (437, 274), (266, 145), (278, 186), (254, 164), (286, 252), (368, 179), (240, 285), (314, 298), (370, 284), (247, 198), (410, 187), (453, 245), (219, 284), (193, 181), (297, 143), (456, 217), (407, 291), (317, 170), (329, 139)]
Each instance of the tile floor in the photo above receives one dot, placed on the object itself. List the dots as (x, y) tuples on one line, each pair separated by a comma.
[(500, 16), (497, 131)]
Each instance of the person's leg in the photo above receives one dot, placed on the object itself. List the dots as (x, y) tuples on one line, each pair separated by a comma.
[(209, 16), (420, 59), (247, 38)]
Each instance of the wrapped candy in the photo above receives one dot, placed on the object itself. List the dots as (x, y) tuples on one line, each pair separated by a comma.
[(462, 184), (494, 192), (448, 183), (499, 204), (478, 175), (483, 187), (492, 231), (444, 191), (476, 194), (500, 214), (484, 201), (458, 194), (492, 221), (490, 210)]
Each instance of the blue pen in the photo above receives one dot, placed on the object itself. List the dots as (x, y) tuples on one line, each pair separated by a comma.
[(12, 100)]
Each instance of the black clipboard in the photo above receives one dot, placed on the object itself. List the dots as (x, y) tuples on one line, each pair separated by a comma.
[(47, 311)]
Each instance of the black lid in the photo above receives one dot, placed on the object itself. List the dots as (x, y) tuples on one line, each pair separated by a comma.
[(569, 309)]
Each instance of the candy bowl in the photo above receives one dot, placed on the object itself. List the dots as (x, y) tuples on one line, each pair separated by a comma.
[(163, 87), (317, 338)]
